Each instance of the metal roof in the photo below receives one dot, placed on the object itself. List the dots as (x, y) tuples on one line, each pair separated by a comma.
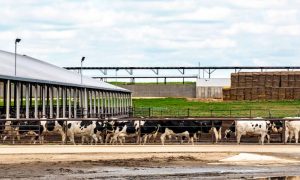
[(34, 70)]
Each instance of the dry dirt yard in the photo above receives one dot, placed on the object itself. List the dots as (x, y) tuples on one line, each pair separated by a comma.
[(149, 162)]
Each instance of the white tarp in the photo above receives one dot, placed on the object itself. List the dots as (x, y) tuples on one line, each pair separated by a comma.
[(213, 82), (30, 68)]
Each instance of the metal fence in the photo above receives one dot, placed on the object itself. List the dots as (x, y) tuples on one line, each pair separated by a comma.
[(232, 113), (11, 132)]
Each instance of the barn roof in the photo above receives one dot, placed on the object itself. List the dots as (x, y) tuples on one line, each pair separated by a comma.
[(33, 70)]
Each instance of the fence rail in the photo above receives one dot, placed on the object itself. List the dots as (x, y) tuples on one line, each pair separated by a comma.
[(217, 113)]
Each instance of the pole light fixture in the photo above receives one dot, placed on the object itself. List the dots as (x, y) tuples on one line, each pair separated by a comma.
[(16, 42), (82, 59)]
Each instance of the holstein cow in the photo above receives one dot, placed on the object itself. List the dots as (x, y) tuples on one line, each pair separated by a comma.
[(188, 129), (83, 129), (149, 130), (22, 128), (292, 128), (53, 127), (256, 127), (125, 129)]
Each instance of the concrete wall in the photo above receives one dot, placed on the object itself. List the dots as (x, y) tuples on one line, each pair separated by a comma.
[(162, 90), (209, 92), (211, 88)]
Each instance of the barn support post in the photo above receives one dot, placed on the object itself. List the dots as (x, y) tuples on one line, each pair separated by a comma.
[(43, 101), (64, 102), (117, 103), (8, 99), (104, 104), (57, 102), (121, 103), (75, 96), (91, 103), (36, 116), (98, 104), (113, 104), (85, 107), (95, 106), (51, 101), (70, 102), (27, 101), (17, 84), (108, 104)]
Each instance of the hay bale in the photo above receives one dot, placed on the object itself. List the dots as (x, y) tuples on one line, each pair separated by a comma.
[(284, 79), (276, 80), (242, 79), (281, 93), (248, 79), (296, 93), (268, 93), (234, 80), (289, 93), (275, 92)]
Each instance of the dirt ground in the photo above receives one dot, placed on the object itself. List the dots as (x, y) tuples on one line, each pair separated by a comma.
[(149, 162)]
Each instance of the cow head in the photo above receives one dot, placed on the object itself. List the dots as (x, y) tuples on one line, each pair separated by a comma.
[(275, 126), (227, 133)]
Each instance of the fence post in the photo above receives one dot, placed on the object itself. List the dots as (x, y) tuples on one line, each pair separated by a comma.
[(188, 112), (250, 113), (211, 113), (149, 112), (298, 112), (230, 113), (270, 113)]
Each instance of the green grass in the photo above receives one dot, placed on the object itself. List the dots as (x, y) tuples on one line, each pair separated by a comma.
[(183, 107)]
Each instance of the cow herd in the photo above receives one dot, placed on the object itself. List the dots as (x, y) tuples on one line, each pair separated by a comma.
[(147, 131)]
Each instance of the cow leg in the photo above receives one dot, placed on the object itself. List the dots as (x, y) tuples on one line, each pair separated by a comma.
[(162, 138), (72, 138), (95, 138), (216, 134), (4, 138), (82, 139), (296, 136), (269, 138), (63, 138), (238, 138), (220, 134), (262, 138), (145, 139), (287, 133), (107, 138)]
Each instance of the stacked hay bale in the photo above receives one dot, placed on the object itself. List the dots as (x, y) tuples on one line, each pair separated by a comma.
[(263, 86)]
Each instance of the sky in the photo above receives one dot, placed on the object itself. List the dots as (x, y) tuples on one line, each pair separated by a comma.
[(154, 32)]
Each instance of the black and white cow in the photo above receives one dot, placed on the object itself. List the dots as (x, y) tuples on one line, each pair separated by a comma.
[(189, 129), (51, 128), (253, 127), (125, 129), (292, 128), (84, 129), (149, 130)]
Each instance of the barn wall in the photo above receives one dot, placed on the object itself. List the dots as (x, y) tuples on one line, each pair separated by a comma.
[(162, 90)]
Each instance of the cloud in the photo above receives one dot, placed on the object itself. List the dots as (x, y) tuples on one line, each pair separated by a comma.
[(152, 32)]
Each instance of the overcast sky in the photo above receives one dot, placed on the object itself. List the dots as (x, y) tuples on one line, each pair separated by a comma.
[(154, 32)]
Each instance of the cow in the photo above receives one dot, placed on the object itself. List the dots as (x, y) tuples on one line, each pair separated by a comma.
[(53, 127), (292, 128), (125, 129), (16, 129), (149, 129), (84, 128), (189, 129), (256, 127)]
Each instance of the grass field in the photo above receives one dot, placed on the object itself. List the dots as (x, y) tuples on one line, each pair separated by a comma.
[(183, 107)]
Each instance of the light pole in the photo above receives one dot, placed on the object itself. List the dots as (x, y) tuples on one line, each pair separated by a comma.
[(16, 41), (82, 59)]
